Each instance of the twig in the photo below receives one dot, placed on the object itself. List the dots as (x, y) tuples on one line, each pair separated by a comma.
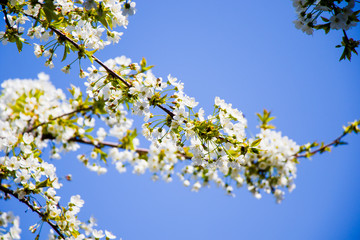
[(5, 13), (114, 74), (98, 144), (52, 119), (335, 142), (110, 71), (52, 225)]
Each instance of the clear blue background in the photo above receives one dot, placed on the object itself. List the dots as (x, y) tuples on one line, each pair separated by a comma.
[(250, 54)]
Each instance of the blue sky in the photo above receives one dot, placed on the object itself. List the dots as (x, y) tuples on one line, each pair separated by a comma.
[(250, 54)]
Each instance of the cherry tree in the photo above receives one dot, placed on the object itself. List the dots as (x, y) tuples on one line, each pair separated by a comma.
[(199, 148)]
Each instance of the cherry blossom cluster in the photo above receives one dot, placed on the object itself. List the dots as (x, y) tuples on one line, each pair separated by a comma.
[(213, 149), (342, 16), (24, 174), (274, 167), (334, 15), (271, 169), (9, 226), (24, 105), (216, 146), (201, 150), (77, 19)]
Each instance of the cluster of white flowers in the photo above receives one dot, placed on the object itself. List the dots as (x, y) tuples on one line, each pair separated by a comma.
[(309, 11), (29, 179), (163, 155), (91, 232), (216, 146), (28, 120), (8, 220), (29, 171), (214, 149), (34, 112), (72, 18), (26, 103), (274, 166), (84, 31)]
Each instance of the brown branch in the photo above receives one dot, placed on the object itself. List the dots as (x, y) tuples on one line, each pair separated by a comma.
[(52, 119), (99, 144), (110, 71), (3, 4), (323, 148), (26, 202), (171, 114), (114, 74)]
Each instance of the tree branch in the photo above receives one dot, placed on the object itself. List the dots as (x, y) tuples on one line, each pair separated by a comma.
[(99, 144), (114, 74), (3, 3), (323, 148), (110, 71), (52, 119), (26, 202)]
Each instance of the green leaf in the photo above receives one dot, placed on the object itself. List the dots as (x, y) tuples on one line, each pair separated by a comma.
[(104, 22), (256, 142), (109, 22), (259, 116), (254, 150), (19, 44), (143, 63), (343, 55), (325, 19), (89, 130), (147, 68), (45, 183), (66, 51), (89, 136), (91, 59), (90, 53), (49, 10)]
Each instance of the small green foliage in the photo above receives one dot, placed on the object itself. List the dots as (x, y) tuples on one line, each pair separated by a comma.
[(254, 150), (325, 27), (99, 106), (127, 141), (255, 143), (265, 119), (45, 183), (49, 10), (156, 99), (206, 130), (90, 54), (352, 127), (143, 65), (349, 45), (66, 51)]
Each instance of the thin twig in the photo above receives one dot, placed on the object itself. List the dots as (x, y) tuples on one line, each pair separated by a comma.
[(321, 149), (114, 74), (52, 119), (42, 215), (99, 144)]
